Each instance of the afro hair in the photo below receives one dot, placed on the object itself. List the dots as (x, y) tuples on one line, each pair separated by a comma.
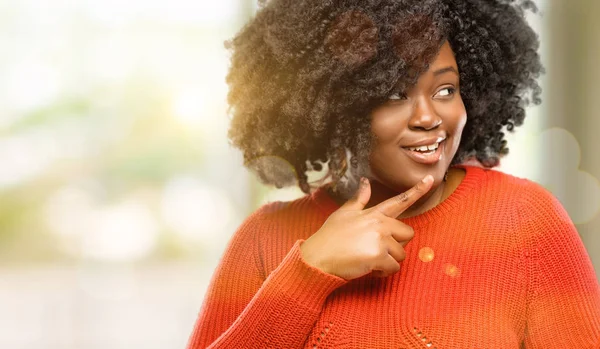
[(305, 75)]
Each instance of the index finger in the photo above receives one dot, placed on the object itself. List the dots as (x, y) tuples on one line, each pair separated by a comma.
[(394, 206)]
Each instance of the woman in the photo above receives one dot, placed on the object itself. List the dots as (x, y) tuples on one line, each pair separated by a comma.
[(426, 250)]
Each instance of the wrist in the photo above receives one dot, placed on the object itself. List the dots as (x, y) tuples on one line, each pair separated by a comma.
[(308, 257)]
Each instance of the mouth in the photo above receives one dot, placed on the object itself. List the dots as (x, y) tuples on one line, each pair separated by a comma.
[(426, 154)]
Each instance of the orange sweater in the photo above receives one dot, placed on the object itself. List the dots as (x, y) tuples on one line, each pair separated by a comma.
[(496, 264)]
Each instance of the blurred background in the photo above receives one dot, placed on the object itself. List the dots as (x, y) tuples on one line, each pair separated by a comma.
[(119, 191)]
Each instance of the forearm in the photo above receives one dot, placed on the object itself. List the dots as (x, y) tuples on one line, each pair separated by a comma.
[(280, 315)]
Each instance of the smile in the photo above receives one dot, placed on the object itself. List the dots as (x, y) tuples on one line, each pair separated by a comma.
[(426, 154), (425, 148)]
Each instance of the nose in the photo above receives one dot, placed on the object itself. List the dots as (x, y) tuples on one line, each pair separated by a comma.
[(424, 116)]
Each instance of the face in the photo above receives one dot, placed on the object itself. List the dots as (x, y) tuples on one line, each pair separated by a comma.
[(431, 114)]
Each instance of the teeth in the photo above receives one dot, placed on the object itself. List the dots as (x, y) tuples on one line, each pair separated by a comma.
[(433, 146)]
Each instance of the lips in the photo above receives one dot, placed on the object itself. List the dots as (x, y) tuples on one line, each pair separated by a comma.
[(424, 158), (427, 141)]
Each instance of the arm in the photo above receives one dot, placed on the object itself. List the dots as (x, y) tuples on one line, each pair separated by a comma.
[(242, 309), (563, 295)]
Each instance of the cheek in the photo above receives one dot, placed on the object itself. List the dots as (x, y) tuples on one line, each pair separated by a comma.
[(384, 148), (386, 126), (379, 160), (455, 116), (460, 120), (384, 143), (457, 121)]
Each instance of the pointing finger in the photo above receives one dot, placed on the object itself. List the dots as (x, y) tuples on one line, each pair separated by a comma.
[(394, 206), (361, 197)]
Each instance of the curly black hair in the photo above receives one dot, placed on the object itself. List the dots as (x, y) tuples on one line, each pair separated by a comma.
[(305, 75)]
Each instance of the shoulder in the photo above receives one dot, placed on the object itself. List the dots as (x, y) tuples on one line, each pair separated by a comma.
[(282, 217), (539, 213), (497, 185), (522, 188), (538, 209), (274, 227), (266, 220), (282, 210), (519, 195), (535, 201)]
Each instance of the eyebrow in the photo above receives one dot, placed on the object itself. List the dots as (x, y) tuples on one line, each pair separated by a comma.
[(444, 70)]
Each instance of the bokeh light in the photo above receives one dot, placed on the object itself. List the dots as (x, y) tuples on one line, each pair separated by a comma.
[(426, 254)]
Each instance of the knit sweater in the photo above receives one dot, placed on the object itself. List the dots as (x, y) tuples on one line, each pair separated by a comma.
[(497, 264)]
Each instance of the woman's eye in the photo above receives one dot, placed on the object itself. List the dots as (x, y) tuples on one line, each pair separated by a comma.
[(398, 96), (446, 92)]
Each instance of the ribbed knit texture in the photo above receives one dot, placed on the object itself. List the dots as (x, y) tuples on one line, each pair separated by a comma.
[(498, 264)]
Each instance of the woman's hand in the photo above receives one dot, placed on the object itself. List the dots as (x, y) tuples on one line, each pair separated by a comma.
[(355, 241)]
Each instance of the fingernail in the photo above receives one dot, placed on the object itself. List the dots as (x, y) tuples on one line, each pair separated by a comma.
[(427, 179), (364, 181)]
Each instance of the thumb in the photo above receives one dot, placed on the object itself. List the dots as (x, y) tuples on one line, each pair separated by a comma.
[(361, 197)]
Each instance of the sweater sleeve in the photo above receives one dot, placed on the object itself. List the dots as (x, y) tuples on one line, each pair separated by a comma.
[(242, 309), (563, 309)]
